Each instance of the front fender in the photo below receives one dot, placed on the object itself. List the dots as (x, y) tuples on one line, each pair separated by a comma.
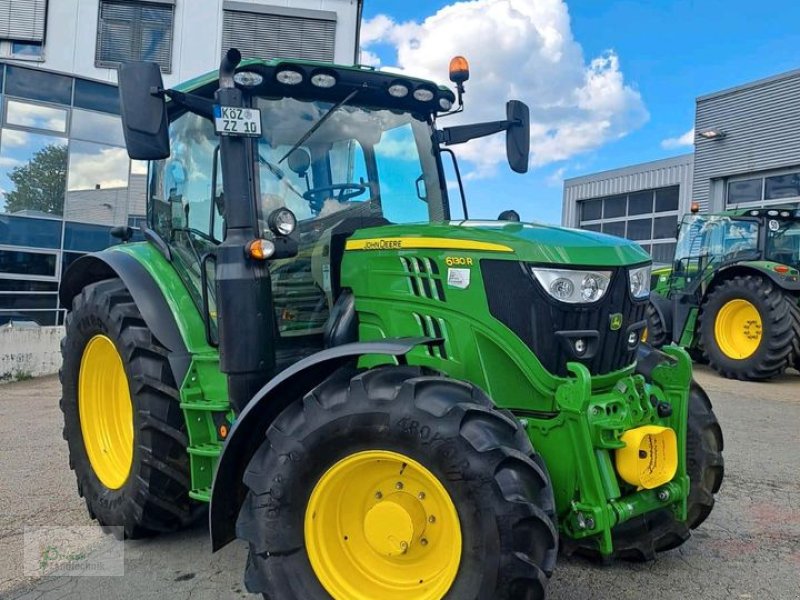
[(144, 289), (247, 433)]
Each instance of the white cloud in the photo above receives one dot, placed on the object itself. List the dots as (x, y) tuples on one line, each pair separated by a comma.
[(370, 59), (687, 139), (13, 139), (106, 168), (556, 178), (518, 49), (7, 162)]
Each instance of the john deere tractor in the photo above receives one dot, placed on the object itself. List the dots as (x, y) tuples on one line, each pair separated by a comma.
[(731, 295), (382, 402)]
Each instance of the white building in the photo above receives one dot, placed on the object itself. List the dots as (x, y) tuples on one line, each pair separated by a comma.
[(88, 38), (65, 178)]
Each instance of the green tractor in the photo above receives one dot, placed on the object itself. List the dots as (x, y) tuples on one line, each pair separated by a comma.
[(382, 402), (731, 295)]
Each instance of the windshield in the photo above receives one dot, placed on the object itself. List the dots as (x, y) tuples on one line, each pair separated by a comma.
[(718, 237), (783, 242), (359, 162)]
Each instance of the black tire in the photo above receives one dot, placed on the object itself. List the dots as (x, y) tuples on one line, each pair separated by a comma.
[(657, 335), (642, 537), (772, 354), (794, 311), (481, 455), (154, 498)]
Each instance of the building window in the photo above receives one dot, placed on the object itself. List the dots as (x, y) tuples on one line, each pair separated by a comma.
[(96, 96), (36, 116), (27, 263), (131, 31), (23, 20), (309, 35), (98, 184), (649, 217), (33, 173), (27, 50), (775, 188), (745, 190), (36, 233), (38, 85), (782, 186)]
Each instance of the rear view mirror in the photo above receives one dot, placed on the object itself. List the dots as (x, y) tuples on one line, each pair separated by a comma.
[(299, 162), (518, 136), (144, 111)]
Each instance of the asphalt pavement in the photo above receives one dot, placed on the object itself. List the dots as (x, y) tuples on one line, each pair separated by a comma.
[(748, 549)]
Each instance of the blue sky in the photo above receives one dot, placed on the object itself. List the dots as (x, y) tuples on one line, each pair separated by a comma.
[(656, 57)]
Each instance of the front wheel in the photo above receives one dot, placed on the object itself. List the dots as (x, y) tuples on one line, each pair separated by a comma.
[(122, 417), (394, 484), (746, 328)]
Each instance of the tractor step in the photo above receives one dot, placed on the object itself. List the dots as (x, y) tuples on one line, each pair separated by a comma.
[(211, 449), (201, 494)]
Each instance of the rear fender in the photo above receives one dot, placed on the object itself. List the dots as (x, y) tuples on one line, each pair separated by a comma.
[(247, 433), (789, 281)]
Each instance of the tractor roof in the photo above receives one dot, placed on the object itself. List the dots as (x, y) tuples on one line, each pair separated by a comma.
[(373, 87), (787, 212)]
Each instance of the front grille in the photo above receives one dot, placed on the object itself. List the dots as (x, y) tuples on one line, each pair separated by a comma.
[(549, 327)]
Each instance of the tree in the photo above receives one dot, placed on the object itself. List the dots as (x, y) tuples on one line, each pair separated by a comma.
[(40, 184)]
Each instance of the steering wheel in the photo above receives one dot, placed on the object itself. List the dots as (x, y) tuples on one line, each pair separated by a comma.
[(346, 191)]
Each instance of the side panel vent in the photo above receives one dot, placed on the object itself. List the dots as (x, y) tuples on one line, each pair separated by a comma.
[(434, 327), (424, 277)]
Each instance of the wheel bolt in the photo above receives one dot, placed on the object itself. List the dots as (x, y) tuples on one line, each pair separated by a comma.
[(431, 519), (424, 542), (399, 485), (421, 495), (404, 547), (378, 495)]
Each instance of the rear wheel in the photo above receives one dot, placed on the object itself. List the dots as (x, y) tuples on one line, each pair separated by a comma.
[(746, 328), (655, 332), (642, 537), (794, 310), (394, 484), (122, 419)]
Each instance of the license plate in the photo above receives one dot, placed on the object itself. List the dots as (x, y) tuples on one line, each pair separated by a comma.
[(229, 120)]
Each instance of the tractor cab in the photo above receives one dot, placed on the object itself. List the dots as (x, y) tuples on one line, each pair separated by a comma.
[(316, 152), (710, 242), (323, 166)]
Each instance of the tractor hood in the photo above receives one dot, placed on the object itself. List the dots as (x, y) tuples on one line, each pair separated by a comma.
[(527, 242)]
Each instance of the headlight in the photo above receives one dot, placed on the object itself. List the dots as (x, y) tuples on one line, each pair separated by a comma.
[(639, 279), (573, 287), (282, 221)]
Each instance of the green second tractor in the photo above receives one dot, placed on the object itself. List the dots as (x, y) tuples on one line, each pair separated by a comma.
[(382, 402), (731, 296)]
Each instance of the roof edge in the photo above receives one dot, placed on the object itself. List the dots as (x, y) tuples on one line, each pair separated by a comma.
[(750, 85), (628, 169)]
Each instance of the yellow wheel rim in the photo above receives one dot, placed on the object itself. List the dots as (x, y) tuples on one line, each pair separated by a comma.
[(106, 412), (737, 329), (380, 525)]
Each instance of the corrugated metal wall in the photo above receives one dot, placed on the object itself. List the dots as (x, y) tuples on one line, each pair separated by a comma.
[(656, 174), (762, 126)]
